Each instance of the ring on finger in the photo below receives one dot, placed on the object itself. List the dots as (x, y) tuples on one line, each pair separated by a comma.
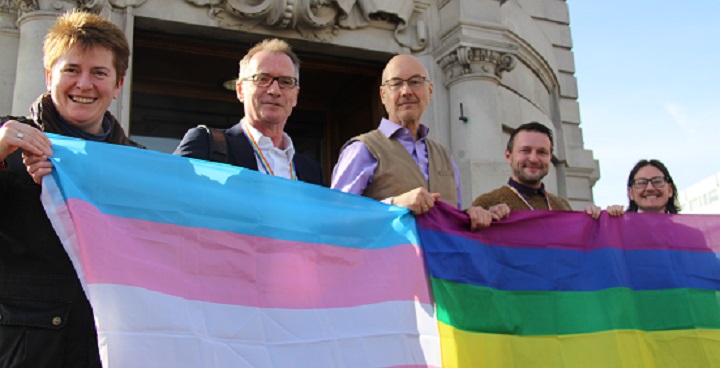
[(20, 135)]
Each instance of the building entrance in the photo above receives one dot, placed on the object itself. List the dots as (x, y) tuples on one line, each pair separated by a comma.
[(178, 83)]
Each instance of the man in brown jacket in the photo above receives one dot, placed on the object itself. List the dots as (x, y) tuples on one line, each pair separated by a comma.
[(529, 151)]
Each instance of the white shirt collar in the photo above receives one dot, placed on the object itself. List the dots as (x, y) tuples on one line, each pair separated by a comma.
[(279, 159), (266, 144)]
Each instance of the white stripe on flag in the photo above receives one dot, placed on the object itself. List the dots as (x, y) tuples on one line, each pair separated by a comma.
[(142, 328)]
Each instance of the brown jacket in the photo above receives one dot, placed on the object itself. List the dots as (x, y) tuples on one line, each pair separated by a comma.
[(507, 196)]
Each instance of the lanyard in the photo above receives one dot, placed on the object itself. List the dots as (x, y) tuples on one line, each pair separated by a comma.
[(547, 200), (263, 160)]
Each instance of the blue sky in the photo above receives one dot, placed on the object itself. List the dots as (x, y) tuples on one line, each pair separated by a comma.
[(648, 79)]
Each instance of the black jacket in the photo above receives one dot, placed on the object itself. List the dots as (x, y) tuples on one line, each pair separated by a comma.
[(196, 144), (45, 318)]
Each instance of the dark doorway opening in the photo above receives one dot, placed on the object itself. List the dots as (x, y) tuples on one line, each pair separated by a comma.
[(177, 84)]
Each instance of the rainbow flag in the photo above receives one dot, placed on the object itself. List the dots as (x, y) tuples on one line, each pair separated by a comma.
[(558, 289), (194, 264)]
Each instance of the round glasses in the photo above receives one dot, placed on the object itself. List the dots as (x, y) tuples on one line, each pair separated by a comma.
[(657, 182)]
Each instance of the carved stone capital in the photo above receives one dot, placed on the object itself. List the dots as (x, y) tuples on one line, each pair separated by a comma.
[(476, 61)]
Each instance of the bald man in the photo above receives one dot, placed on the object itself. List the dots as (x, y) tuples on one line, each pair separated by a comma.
[(397, 163)]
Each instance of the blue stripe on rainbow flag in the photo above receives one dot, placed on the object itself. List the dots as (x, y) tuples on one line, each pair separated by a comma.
[(465, 260)]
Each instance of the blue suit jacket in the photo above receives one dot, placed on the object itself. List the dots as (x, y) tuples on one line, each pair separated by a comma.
[(196, 144)]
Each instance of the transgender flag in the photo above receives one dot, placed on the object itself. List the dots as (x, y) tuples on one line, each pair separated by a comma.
[(558, 289), (194, 264)]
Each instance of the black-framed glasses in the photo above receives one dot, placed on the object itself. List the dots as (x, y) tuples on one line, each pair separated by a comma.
[(265, 80), (414, 82), (657, 182)]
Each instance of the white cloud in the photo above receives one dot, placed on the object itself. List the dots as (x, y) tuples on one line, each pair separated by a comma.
[(677, 113)]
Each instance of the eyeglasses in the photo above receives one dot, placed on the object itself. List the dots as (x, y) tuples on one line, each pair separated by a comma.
[(265, 80), (657, 182), (414, 82)]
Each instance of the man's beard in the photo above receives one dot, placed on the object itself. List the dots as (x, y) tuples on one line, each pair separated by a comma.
[(530, 180)]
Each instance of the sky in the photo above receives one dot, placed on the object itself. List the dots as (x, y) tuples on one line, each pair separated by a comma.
[(648, 75)]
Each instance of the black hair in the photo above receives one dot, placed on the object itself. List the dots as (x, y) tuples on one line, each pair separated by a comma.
[(673, 206)]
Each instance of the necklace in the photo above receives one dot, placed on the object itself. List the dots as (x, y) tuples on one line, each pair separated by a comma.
[(263, 160), (547, 200)]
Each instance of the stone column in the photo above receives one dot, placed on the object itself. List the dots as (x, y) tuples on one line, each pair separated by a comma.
[(9, 37), (125, 20), (472, 79), (30, 73), (474, 53)]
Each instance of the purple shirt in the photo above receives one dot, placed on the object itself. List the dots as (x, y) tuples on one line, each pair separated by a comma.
[(356, 165)]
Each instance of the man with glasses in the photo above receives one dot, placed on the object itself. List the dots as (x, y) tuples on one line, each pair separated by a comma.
[(268, 87), (397, 163), (529, 154), (650, 189)]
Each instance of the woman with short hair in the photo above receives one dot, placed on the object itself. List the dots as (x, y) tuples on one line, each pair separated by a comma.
[(46, 318)]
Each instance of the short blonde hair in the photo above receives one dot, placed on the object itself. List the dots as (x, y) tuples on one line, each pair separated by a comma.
[(270, 45), (86, 30)]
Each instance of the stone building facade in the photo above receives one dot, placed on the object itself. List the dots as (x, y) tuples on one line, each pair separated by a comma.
[(495, 64)]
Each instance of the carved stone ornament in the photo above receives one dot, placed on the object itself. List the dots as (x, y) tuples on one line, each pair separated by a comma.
[(476, 61), (127, 3), (29, 6), (318, 19), (9, 6)]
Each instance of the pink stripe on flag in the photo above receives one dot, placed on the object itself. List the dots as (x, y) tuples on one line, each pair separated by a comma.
[(229, 268)]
